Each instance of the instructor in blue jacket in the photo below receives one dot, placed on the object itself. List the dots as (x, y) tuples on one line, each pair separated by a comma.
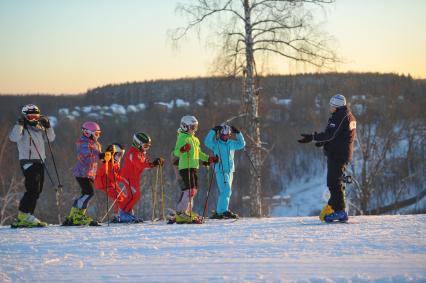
[(219, 141)]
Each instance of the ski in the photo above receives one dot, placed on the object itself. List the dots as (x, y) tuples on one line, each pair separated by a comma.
[(316, 223), (26, 227)]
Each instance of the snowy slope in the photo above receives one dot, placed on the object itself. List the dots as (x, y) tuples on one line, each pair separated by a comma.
[(306, 197), (286, 249)]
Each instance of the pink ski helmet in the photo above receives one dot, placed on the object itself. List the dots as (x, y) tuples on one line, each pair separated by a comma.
[(91, 129)]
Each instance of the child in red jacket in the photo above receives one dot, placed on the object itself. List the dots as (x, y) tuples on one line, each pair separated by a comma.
[(135, 162), (111, 176)]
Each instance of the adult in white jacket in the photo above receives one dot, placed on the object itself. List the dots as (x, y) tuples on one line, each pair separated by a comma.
[(29, 134)]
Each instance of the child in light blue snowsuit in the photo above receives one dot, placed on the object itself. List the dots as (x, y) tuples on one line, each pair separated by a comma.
[(218, 140)]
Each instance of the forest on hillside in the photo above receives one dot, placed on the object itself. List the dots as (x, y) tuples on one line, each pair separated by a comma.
[(389, 162)]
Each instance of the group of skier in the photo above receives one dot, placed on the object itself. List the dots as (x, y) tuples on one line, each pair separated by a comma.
[(104, 171), (100, 170)]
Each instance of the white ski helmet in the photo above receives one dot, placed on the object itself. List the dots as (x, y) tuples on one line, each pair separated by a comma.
[(31, 113), (188, 122), (226, 129), (225, 132), (30, 109), (337, 101)]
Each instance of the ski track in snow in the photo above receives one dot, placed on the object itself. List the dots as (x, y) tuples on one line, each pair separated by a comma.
[(286, 249)]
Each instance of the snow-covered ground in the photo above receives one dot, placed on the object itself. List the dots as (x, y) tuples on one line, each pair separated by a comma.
[(305, 196), (285, 249)]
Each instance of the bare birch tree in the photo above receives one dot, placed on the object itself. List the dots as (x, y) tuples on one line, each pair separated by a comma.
[(245, 31)]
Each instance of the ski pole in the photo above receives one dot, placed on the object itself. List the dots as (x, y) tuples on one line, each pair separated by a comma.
[(59, 190), (112, 205), (162, 192), (208, 191), (39, 155), (113, 174), (107, 158), (47, 171), (154, 194), (189, 192)]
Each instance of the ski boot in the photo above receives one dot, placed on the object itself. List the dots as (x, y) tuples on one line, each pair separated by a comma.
[(136, 219), (325, 211), (116, 219), (78, 217), (340, 216), (230, 215), (171, 217), (185, 218), (27, 220), (217, 216), (127, 217)]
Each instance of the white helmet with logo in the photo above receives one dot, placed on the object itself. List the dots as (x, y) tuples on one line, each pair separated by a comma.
[(188, 122)]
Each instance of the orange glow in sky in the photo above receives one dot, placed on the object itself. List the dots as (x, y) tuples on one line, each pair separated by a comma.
[(70, 46)]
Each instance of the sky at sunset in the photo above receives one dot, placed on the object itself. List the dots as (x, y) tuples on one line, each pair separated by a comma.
[(51, 46)]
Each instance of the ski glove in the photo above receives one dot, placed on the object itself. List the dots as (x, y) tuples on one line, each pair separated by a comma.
[(22, 121), (185, 148), (307, 138), (44, 121), (235, 130), (213, 159), (158, 162), (205, 163)]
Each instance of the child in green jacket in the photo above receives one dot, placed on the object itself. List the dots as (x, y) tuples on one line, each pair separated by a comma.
[(187, 149)]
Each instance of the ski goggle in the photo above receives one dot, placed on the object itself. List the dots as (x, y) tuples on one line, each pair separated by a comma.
[(32, 117), (193, 127), (89, 133), (225, 137), (146, 145)]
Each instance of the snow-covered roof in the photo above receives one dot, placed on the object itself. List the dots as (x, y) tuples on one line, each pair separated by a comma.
[(282, 101)]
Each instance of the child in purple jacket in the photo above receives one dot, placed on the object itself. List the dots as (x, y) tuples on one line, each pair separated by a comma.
[(88, 150)]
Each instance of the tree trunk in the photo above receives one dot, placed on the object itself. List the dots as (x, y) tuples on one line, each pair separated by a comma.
[(253, 114)]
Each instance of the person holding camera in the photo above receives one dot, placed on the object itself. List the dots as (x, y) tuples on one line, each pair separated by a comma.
[(29, 133), (220, 142)]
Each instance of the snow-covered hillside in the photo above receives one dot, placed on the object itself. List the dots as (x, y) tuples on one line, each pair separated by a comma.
[(370, 249)]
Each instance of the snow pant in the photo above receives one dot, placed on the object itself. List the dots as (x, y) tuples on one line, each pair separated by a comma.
[(34, 179), (133, 195), (189, 189), (335, 172), (87, 192), (116, 196), (224, 182)]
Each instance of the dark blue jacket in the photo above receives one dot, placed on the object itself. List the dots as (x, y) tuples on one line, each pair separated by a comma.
[(339, 135)]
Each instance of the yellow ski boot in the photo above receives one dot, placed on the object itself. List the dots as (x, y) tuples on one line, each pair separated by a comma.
[(325, 211), (185, 218), (27, 220), (78, 217)]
